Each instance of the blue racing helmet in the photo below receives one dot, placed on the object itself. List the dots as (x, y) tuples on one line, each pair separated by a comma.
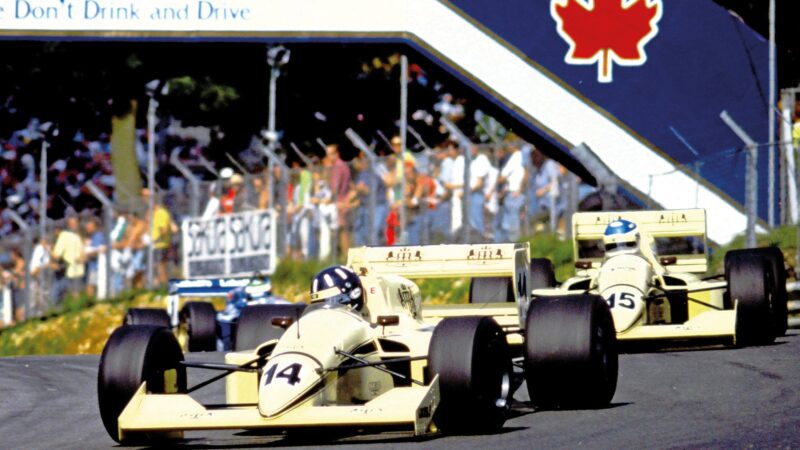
[(337, 286), (621, 236)]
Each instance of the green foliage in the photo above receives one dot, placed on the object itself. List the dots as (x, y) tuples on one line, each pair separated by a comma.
[(295, 275), (556, 249), (784, 237), (198, 100), (79, 325), (444, 290)]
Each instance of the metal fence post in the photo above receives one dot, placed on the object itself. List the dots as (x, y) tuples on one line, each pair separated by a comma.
[(26, 254), (373, 200), (751, 178), (194, 185), (268, 150), (108, 219)]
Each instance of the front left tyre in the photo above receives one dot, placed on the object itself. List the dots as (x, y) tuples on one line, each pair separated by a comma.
[(135, 354), (472, 358)]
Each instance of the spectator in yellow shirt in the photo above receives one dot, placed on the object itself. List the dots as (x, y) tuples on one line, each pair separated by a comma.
[(161, 233)]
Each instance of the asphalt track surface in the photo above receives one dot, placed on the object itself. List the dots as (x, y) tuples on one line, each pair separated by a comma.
[(712, 398)]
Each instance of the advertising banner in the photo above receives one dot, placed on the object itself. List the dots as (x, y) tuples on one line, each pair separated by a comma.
[(230, 245)]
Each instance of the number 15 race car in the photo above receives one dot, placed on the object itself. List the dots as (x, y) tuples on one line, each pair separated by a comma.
[(649, 266), (365, 354)]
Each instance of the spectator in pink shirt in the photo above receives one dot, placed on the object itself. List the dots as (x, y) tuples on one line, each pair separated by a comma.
[(341, 184)]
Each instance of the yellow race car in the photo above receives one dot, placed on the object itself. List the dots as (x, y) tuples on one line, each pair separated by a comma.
[(650, 267), (366, 354)]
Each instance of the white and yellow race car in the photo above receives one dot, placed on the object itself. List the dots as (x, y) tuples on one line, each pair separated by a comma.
[(650, 267), (367, 354)]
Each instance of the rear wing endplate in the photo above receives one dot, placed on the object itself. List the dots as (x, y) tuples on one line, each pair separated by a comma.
[(680, 233)]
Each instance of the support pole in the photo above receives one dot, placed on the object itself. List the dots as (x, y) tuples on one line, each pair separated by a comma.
[(151, 184), (43, 191), (771, 117), (751, 178), (403, 140)]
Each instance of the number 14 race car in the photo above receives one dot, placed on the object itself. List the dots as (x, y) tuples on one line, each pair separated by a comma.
[(650, 265), (366, 354)]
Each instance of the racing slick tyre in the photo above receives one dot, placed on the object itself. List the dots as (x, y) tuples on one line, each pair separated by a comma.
[(132, 355), (255, 324), (146, 316), (751, 288), (780, 298), (200, 320), (571, 358), (490, 290), (542, 274), (473, 361)]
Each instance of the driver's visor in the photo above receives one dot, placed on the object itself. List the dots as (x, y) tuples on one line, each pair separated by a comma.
[(616, 245), (332, 296)]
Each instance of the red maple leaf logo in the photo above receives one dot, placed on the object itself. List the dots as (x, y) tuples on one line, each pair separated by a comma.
[(606, 31)]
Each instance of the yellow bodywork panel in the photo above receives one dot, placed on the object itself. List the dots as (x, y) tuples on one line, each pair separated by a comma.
[(705, 325), (413, 406)]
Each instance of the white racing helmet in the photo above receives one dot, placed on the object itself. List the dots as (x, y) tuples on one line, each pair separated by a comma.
[(621, 237)]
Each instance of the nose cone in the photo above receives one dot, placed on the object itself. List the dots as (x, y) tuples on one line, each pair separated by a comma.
[(626, 306), (287, 380)]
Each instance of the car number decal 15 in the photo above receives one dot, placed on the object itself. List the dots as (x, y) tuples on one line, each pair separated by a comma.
[(624, 300)]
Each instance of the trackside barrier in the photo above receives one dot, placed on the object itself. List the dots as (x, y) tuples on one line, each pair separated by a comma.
[(7, 310), (793, 289)]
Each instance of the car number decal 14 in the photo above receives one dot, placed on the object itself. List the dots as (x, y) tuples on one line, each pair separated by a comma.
[(290, 373)]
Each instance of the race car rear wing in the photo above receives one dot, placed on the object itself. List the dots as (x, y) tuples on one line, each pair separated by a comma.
[(678, 233), (207, 287), (442, 261)]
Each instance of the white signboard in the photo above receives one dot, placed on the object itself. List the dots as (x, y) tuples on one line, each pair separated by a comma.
[(230, 245)]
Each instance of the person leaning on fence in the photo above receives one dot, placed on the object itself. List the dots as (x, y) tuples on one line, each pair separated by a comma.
[(510, 196), (340, 183), (12, 276), (68, 251), (420, 204), (41, 272), (543, 187), (162, 228), (94, 246), (479, 171)]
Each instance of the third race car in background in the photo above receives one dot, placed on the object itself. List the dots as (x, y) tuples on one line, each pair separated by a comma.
[(650, 266), (197, 323)]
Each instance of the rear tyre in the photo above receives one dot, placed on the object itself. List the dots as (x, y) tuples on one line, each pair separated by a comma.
[(542, 274), (472, 359), (751, 288), (491, 290), (200, 319), (132, 355), (146, 316), (780, 298), (571, 356), (255, 324)]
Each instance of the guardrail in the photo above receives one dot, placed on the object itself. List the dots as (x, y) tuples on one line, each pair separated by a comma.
[(793, 288)]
